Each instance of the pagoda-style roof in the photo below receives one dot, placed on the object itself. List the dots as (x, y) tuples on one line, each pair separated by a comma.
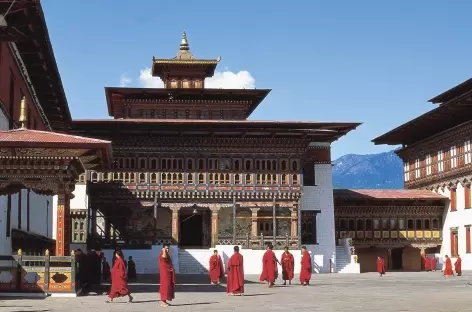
[(250, 98), (455, 110), (25, 28), (320, 131), (93, 153), (459, 90), (184, 59)]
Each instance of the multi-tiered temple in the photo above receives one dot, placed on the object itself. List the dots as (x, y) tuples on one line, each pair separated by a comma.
[(191, 169)]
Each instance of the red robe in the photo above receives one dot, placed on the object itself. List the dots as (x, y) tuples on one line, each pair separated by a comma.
[(167, 278), (216, 269), (381, 266), (269, 267), (434, 262), (288, 264), (448, 268), (119, 280), (427, 263), (305, 271), (458, 265), (235, 280)]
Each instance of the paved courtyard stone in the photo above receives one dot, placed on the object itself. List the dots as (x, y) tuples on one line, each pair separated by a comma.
[(395, 292)]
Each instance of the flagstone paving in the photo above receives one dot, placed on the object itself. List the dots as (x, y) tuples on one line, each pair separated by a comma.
[(396, 292)]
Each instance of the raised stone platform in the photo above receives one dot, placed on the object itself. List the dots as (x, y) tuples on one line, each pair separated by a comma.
[(330, 292)]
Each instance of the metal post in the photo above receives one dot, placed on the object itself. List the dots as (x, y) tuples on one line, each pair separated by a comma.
[(234, 220), (274, 223)]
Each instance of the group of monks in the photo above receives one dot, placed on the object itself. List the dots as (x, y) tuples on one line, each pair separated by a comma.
[(447, 268), (235, 272), (430, 264)]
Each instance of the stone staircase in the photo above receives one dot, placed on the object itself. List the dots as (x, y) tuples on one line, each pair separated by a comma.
[(343, 262), (194, 261)]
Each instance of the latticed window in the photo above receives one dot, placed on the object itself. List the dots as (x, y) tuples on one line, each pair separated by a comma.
[(237, 178), (467, 156), (190, 178), (406, 170), (440, 161), (428, 165), (153, 178), (417, 168), (79, 229), (453, 154), (201, 178)]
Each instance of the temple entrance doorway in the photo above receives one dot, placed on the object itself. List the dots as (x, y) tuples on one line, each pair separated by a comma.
[(397, 259), (193, 229)]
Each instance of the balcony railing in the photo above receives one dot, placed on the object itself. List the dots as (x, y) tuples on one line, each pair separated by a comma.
[(391, 234)]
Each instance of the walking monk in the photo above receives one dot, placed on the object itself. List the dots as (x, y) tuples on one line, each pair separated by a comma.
[(434, 263), (448, 267), (458, 266), (119, 280), (235, 280), (269, 266), (216, 268), (288, 264), (167, 277), (305, 271), (380, 266), (131, 269), (427, 263)]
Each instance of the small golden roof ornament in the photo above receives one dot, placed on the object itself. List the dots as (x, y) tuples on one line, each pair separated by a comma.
[(184, 42), (23, 113)]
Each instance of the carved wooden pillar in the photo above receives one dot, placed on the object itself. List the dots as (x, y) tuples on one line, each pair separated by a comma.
[(175, 222), (214, 224), (254, 222), (294, 219), (389, 258), (63, 224)]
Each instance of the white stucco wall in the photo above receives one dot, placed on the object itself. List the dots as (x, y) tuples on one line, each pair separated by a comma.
[(458, 219), (320, 197), (80, 200)]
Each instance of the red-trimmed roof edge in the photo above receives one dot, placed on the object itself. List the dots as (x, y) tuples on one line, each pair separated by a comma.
[(387, 194)]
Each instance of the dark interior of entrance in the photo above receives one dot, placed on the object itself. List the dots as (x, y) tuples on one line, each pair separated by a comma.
[(397, 259), (191, 230)]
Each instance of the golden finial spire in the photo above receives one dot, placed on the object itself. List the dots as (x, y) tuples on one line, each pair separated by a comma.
[(23, 113), (184, 42)]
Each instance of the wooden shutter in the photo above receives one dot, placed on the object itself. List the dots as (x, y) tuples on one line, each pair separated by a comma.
[(453, 199)]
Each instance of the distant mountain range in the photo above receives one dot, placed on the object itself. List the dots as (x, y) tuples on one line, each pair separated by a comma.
[(374, 171)]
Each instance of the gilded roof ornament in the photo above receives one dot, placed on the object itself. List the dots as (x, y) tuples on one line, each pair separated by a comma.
[(23, 113), (184, 51)]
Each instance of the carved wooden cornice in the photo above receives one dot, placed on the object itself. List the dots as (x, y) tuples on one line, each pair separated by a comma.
[(318, 154), (390, 243), (387, 211), (444, 140), (446, 180)]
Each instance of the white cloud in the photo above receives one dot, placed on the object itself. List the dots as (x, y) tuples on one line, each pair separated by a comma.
[(224, 80), (125, 80)]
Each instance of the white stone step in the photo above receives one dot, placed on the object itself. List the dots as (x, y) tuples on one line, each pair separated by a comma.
[(194, 261)]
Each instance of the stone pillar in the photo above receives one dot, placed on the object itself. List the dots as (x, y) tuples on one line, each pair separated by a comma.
[(214, 224), (254, 222), (63, 224), (294, 221), (175, 222)]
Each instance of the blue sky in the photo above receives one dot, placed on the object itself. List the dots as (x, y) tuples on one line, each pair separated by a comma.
[(375, 62)]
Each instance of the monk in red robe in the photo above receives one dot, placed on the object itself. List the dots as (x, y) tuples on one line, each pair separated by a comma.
[(119, 279), (288, 265), (448, 267), (305, 271), (235, 280), (167, 277), (269, 266), (427, 263), (216, 268), (380, 266), (434, 263), (458, 266)]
